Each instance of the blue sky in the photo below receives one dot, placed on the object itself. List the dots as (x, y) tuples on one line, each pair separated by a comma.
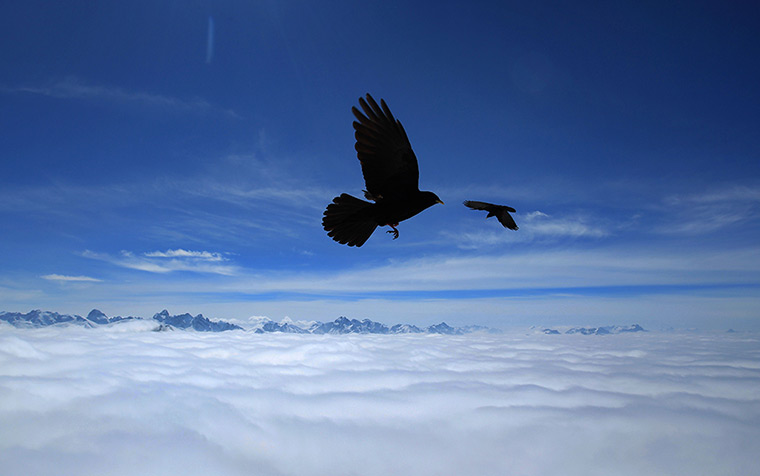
[(180, 154)]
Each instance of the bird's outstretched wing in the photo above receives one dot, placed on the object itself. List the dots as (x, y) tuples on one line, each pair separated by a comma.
[(388, 162), (501, 212)]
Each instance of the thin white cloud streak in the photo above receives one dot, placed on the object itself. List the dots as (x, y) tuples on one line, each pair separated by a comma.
[(157, 262), (728, 193), (540, 223), (74, 88), (64, 278), (181, 253), (241, 404), (534, 226)]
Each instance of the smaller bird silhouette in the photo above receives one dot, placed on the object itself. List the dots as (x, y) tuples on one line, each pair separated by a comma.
[(501, 212)]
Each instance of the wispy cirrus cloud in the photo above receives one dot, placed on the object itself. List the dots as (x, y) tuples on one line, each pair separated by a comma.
[(610, 210), (534, 225), (168, 261), (180, 253), (711, 210), (729, 193), (550, 268), (236, 202), (75, 88), (512, 272), (65, 278), (542, 224)]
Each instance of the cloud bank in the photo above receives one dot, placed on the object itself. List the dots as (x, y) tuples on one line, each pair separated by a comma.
[(124, 400)]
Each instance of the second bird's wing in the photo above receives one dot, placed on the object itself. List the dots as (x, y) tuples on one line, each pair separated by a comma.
[(475, 205), (505, 218)]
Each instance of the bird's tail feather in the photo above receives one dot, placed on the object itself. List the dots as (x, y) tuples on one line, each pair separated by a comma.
[(345, 223)]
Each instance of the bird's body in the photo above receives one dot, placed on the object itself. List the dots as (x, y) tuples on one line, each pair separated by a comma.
[(391, 175), (392, 211), (501, 212)]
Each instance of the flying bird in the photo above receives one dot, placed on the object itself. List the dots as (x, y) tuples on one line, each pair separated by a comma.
[(501, 212), (391, 175)]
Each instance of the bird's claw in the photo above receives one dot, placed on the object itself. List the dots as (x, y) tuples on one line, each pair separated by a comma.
[(395, 233)]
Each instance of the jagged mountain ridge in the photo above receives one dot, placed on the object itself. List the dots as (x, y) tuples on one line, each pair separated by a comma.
[(166, 321), (197, 323), (37, 318), (596, 331), (342, 325)]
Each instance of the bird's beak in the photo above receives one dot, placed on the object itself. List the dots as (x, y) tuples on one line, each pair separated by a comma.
[(440, 201)]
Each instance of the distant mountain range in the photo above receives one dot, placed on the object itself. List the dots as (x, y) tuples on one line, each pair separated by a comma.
[(593, 331), (342, 325), (38, 318), (167, 322)]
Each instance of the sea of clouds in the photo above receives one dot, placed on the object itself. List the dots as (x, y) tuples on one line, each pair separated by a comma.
[(122, 400)]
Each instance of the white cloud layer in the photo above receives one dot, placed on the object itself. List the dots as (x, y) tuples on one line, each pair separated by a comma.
[(124, 401)]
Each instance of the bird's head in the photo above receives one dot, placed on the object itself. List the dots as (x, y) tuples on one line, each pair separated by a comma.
[(431, 199)]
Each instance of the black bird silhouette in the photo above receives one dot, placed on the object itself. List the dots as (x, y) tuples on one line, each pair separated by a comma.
[(391, 175), (501, 212)]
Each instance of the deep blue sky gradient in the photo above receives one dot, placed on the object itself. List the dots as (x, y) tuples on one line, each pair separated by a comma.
[(624, 133)]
